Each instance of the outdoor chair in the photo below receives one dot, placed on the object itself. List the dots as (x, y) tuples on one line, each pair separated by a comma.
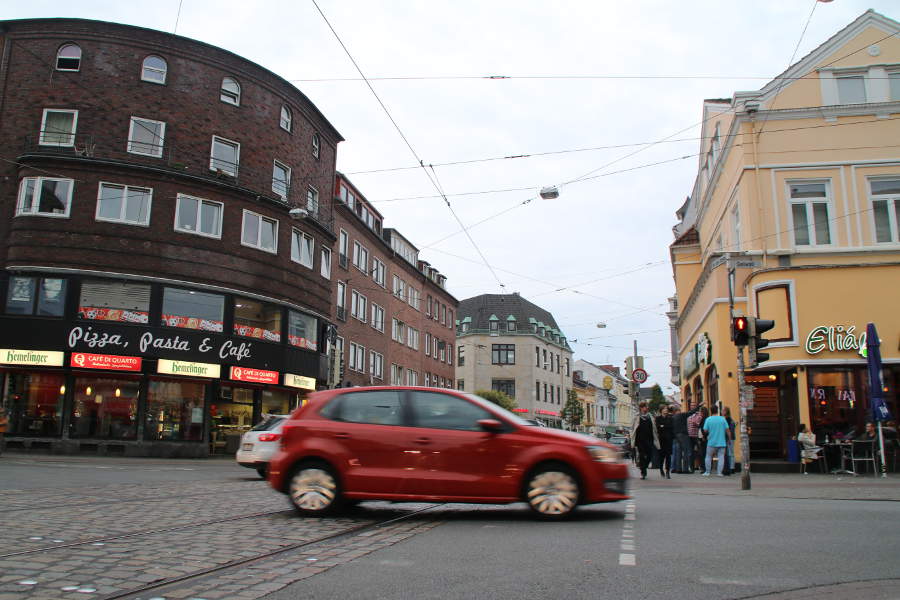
[(819, 458), (864, 452)]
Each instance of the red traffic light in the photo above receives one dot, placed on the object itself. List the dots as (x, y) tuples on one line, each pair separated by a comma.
[(740, 331)]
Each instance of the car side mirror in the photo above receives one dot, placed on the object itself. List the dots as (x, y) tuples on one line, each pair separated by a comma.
[(492, 425)]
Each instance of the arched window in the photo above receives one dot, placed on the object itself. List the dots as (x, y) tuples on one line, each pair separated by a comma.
[(286, 118), (316, 145), (154, 69), (231, 91), (712, 385), (68, 58)]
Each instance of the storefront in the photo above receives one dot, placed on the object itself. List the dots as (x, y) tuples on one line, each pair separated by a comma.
[(106, 381)]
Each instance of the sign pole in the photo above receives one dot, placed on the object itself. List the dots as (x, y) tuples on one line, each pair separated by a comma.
[(745, 397)]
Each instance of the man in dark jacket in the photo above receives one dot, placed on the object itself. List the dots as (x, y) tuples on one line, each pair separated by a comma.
[(644, 436), (664, 428), (680, 432)]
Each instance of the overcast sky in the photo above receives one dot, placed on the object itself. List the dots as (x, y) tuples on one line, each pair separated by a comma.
[(599, 252)]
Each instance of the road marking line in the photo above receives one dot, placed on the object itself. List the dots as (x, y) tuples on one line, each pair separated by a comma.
[(627, 546), (627, 560)]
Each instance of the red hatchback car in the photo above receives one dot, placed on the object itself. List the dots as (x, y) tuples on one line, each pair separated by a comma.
[(426, 444)]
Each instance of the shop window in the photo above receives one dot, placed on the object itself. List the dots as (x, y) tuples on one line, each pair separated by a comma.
[(44, 197), (259, 232), (230, 93), (224, 156), (68, 58), (35, 403), (278, 402), (58, 127), (302, 330), (104, 408), (230, 416), (199, 216), (41, 296), (190, 309), (146, 137), (257, 319), (124, 204), (286, 118), (175, 411), (114, 301), (154, 69)]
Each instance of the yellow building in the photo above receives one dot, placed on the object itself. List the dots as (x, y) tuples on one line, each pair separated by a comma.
[(798, 187)]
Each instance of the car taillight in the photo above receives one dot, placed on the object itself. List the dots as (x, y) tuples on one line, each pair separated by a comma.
[(269, 437)]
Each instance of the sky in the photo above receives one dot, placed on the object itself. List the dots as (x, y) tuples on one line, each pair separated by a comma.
[(603, 97)]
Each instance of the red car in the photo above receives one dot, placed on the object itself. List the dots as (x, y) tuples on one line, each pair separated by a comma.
[(413, 444)]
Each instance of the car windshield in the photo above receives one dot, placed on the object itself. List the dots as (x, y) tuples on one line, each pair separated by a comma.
[(268, 423), (496, 408)]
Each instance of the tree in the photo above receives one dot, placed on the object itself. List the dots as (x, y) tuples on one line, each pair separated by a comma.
[(499, 398), (657, 399), (573, 411)]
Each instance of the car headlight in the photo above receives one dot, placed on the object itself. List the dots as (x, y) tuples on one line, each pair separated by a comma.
[(603, 454)]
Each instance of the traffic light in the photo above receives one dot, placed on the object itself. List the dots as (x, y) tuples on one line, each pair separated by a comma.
[(629, 367), (757, 328), (740, 331)]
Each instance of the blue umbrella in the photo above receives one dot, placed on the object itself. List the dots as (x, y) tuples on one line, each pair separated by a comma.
[(880, 411)]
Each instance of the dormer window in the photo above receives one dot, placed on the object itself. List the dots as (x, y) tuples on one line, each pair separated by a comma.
[(68, 58), (230, 92), (154, 70), (286, 118)]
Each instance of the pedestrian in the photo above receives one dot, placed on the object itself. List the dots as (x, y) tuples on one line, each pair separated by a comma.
[(729, 448), (808, 449), (693, 428), (682, 440), (664, 431), (644, 436), (717, 434), (4, 423)]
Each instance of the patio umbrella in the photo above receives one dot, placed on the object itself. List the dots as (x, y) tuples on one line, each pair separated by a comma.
[(876, 386)]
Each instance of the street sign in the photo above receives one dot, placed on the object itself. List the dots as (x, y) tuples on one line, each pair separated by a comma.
[(639, 376), (607, 383)]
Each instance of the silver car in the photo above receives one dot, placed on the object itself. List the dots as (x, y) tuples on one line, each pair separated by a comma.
[(260, 443)]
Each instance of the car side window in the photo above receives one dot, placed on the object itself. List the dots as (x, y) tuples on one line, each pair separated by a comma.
[(375, 407), (443, 411)]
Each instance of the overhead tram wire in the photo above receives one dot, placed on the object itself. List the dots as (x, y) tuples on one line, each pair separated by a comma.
[(408, 145)]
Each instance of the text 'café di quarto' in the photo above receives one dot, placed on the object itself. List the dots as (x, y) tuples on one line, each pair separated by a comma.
[(129, 388)]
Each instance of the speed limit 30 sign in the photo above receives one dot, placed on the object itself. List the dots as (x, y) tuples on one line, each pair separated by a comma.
[(639, 376)]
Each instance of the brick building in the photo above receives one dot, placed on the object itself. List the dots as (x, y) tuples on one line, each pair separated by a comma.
[(166, 239), (395, 317)]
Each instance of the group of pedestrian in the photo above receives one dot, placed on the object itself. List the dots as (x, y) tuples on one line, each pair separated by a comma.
[(685, 442)]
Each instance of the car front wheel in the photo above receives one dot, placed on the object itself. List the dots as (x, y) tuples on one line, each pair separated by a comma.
[(314, 489), (552, 492)]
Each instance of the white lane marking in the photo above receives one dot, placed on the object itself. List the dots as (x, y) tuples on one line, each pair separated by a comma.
[(629, 517), (626, 534), (720, 581), (627, 560), (628, 546)]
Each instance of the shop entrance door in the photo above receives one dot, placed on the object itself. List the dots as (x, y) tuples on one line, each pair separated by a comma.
[(230, 416), (765, 440)]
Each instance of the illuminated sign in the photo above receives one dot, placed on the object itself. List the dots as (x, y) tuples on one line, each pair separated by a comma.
[(105, 361), (520, 410), (253, 375), (299, 381), (191, 369), (836, 339), (37, 358), (548, 412)]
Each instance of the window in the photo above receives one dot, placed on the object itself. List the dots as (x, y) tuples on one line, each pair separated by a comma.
[(341, 301), (461, 384), (507, 386), (260, 232), (302, 330), (343, 241), (450, 322), (196, 215), (302, 246), (546, 396), (286, 118), (567, 367), (809, 210), (154, 69), (443, 314), (358, 306), (377, 407), (886, 209), (281, 179), (68, 58), (24, 292), (503, 354), (398, 330), (736, 226), (494, 326), (191, 309), (104, 408), (124, 204), (428, 304), (412, 339), (58, 127), (316, 145), (312, 201), (325, 263), (894, 82), (44, 196), (427, 344), (413, 297), (460, 356), (378, 271), (437, 410), (537, 356), (450, 354), (224, 156), (146, 137), (412, 377), (557, 363), (357, 358), (256, 319), (230, 92), (114, 301), (396, 375), (360, 257), (851, 89), (442, 346), (376, 365), (399, 287), (544, 357), (377, 317), (510, 325)]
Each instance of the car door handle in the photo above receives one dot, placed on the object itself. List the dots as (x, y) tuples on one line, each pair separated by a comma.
[(342, 436), (423, 441)]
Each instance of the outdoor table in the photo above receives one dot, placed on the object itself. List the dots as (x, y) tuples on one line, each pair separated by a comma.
[(845, 450)]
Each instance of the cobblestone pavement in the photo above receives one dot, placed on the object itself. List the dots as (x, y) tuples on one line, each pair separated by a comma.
[(105, 541)]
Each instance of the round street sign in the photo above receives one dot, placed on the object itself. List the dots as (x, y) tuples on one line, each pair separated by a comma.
[(639, 376)]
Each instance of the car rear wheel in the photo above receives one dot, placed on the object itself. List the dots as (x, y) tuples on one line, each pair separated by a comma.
[(552, 492), (314, 489)]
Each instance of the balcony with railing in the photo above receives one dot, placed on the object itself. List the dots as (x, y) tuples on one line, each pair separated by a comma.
[(220, 167)]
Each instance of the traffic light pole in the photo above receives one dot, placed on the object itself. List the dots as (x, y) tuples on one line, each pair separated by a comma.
[(745, 434)]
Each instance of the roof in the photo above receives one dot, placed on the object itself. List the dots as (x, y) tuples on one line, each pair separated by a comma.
[(503, 306)]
